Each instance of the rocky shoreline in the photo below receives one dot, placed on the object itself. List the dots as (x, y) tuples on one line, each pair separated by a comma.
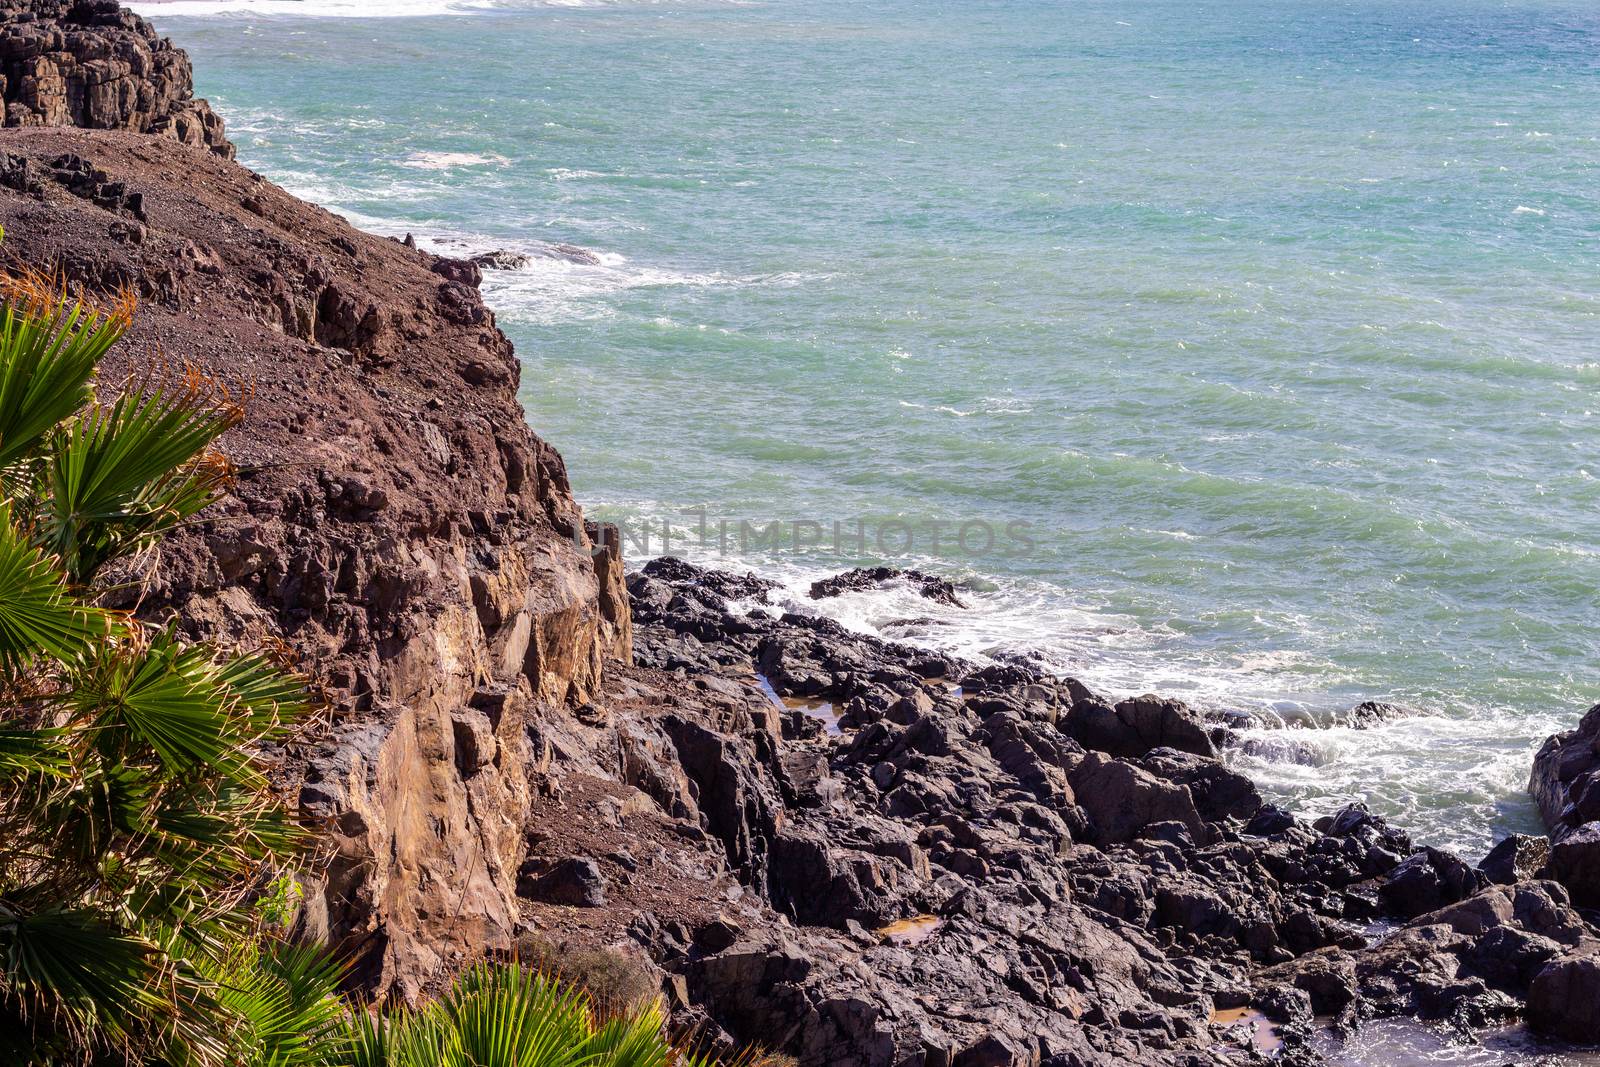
[(857, 852)]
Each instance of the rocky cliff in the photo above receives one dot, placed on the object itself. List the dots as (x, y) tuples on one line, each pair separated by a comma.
[(396, 523), (1566, 785), (865, 854), (89, 63)]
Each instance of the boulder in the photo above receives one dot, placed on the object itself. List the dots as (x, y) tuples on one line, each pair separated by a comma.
[(1516, 858), (1575, 863), (1370, 713), (500, 259), (1131, 728), (576, 881), (1427, 881), (1564, 999), (929, 586), (1120, 800)]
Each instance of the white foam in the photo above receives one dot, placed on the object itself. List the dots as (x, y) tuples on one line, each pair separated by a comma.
[(450, 160), (1450, 774)]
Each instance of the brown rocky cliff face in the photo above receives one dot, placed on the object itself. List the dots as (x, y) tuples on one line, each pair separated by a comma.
[(395, 521), (89, 63)]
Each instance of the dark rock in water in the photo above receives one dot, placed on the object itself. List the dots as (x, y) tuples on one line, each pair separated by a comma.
[(1517, 858), (1566, 785), (501, 259), (1268, 820), (1370, 713), (1281, 749), (461, 271), (722, 584), (575, 881), (930, 586), (999, 677), (1133, 727), (1564, 999), (571, 254), (1565, 776), (1374, 847), (1427, 881)]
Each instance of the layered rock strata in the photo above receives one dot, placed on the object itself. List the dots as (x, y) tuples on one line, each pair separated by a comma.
[(89, 63)]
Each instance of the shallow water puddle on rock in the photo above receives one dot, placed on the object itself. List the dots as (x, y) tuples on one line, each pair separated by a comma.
[(912, 931), (821, 710), (1263, 1035)]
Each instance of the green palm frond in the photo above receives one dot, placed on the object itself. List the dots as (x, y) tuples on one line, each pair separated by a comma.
[(513, 1017), (270, 695), (38, 614), (631, 1041), (136, 820), (508, 1016), (49, 348), (367, 1038), (102, 805), (27, 753), (122, 475), (72, 958), (158, 695), (286, 1003)]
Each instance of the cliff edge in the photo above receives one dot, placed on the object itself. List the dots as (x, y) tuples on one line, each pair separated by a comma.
[(396, 523)]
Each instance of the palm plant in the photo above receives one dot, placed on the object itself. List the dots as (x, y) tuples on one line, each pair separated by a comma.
[(504, 1015), (135, 821)]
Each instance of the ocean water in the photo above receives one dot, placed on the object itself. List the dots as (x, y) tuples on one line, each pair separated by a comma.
[(1260, 337)]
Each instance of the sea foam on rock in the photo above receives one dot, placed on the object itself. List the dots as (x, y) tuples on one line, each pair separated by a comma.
[(1100, 881), (1566, 785)]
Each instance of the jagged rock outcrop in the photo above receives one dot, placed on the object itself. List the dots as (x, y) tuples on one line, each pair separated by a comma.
[(1566, 786), (908, 859), (90, 63), (395, 523)]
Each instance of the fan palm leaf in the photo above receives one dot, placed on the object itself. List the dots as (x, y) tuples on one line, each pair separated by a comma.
[(122, 475), (49, 348), (285, 1000), (39, 616)]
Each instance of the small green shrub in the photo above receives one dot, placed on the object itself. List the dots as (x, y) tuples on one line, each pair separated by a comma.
[(615, 981)]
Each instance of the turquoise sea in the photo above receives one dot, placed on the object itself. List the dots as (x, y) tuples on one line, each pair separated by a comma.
[(1272, 325)]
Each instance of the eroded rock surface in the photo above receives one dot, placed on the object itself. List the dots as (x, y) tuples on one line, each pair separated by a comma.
[(395, 521), (991, 866), (90, 63)]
